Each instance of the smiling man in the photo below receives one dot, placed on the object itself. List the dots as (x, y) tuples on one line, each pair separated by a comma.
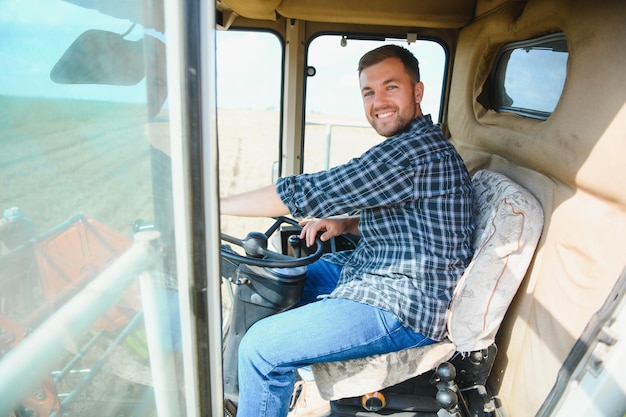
[(414, 199)]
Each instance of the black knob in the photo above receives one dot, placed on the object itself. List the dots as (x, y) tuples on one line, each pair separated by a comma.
[(446, 372), (477, 357), (255, 244), (447, 398)]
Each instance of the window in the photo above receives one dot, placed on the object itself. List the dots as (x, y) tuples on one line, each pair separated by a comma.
[(248, 116), (84, 166), (529, 76), (337, 129)]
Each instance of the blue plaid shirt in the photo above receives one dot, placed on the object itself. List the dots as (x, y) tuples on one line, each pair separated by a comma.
[(415, 200)]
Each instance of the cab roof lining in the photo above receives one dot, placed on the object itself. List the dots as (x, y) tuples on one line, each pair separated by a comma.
[(431, 14)]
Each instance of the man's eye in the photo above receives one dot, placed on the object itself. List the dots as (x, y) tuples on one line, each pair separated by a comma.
[(368, 94)]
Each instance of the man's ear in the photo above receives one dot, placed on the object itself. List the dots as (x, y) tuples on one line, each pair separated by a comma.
[(418, 91)]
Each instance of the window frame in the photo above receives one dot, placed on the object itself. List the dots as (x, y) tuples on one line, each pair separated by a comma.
[(383, 39), (497, 75)]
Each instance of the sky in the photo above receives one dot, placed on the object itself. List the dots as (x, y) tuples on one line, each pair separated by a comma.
[(34, 34)]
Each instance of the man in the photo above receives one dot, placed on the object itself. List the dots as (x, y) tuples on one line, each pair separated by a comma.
[(414, 198)]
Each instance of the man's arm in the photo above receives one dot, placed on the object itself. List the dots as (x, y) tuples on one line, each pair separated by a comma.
[(263, 202)]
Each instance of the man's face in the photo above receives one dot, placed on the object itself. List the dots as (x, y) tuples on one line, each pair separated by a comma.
[(391, 99)]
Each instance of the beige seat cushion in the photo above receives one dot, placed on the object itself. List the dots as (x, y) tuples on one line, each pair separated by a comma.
[(359, 376), (509, 221)]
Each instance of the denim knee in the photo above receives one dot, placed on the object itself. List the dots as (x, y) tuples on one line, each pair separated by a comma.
[(251, 347), (247, 346)]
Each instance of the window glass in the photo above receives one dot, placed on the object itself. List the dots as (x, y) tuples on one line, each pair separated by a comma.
[(529, 76), (84, 162), (248, 116), (336, 128), (249, 78)]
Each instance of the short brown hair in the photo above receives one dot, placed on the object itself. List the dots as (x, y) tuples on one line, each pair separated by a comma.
[(411, 65)]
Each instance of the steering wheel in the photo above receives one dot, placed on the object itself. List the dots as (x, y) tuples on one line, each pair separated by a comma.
[(257, 254)]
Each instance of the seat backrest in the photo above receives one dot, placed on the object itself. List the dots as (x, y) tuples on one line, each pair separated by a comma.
[(509, 221)]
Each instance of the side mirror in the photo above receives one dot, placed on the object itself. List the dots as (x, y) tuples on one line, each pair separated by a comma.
[(101, 57)]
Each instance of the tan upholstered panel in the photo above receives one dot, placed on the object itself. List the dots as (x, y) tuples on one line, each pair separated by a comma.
[(573, 163), (431, 14)]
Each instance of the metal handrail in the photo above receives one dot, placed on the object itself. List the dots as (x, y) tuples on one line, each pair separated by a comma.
[(329, 123)]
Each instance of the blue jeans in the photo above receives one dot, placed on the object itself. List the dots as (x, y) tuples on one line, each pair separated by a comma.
[(322, 331)]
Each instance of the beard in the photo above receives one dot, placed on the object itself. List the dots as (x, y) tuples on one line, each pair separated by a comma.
[(388, 130), (394, 125)]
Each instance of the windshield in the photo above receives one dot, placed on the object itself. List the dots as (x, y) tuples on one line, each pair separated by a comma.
[(85, 210)]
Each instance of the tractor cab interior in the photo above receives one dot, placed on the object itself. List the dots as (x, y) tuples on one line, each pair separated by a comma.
[(123, 123)]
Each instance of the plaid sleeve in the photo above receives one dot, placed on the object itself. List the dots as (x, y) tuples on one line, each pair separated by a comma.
[(378, 178)]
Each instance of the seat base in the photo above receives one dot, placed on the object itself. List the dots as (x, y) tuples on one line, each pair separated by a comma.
[(355, 377), (411, 398), (416, 397)]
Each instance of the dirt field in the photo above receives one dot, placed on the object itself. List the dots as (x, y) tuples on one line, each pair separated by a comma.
[(63, 158)]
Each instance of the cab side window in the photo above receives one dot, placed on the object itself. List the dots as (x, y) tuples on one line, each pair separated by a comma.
[(528, 77), (248, 114)]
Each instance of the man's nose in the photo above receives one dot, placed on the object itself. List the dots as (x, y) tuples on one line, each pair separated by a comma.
[(380, 99)]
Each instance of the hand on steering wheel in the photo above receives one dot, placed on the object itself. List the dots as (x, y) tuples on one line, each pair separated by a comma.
[(257, 254)]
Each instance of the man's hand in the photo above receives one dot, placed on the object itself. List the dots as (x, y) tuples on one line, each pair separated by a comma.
[(329, 227)]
